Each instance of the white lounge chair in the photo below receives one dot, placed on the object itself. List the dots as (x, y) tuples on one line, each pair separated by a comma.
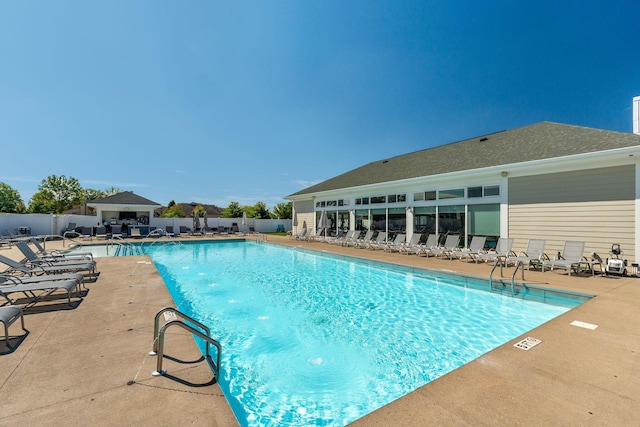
[(398, 243), (379, 242), (412, 245), (363, 242), (502, 249), (8, 315), (53, 254), (431, 243), (570, 259), (450, 245), (475, 247), (533, 256)]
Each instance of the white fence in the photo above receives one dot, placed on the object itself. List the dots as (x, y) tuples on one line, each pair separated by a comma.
[(47, 224)]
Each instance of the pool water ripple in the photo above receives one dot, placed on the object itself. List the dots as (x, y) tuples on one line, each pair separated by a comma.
[(318, 340)]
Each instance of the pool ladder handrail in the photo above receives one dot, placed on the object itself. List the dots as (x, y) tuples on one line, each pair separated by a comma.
[(260, 237), (501, 260), (159, 334), (123, 245)]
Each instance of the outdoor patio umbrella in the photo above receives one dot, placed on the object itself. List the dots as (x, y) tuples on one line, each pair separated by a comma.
[(204, 221), (323, 222), (196, 221), (244, 221)]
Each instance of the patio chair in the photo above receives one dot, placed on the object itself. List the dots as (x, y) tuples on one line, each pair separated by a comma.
[(338, 237), (450, 245), (36, 291), (362, 243), (315, 236), (430, 244), (398, 243), (341, 238), (502, 249), (8, 315), (475, 247), (86, 233), (54, 254), (378, 242), (570, 258), (15, 238), (412, 245), (116, 231), (40, 266), (11, 279), (300, 235), (168, 231), (101, 232), (533, 256), (15, 267), (135, 232), (351, 241)]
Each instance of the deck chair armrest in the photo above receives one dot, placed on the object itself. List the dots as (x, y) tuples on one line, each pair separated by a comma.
[(9, 278)]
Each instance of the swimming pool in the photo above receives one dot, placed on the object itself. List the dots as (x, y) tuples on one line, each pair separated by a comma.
[(315, 339)]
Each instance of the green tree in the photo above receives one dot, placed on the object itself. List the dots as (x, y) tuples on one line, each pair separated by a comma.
[(10, 200), (171, 203), (283, 210), (57, 194), (232, 211), (174, 211), (200, 211), (111, 191), (41, 203), (258, 211), (91, 194)]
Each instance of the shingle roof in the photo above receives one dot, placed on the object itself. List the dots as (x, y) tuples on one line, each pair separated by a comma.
[(544, 140), (124, 198)]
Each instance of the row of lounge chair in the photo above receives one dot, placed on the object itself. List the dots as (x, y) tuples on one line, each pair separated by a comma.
[(41, 275), (571, 259)]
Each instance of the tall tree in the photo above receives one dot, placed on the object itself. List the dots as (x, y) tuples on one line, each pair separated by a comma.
[(10, 200), (258, 211), (56, 194), (173, 211), (199, 210), (283, 210), (91, 194), (232, 211), (111, 191)]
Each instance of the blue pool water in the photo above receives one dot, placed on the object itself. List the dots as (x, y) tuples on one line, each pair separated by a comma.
[(314, 339)]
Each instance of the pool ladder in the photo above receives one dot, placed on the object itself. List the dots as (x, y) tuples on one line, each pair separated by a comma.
[(500, 261), (170, 315)]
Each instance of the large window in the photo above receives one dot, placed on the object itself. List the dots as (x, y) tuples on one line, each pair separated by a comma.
[(397, 220), (484, 220), (424, 220), (362, 219), (343, 220), (379, 219), (451, 194), (451, 220)]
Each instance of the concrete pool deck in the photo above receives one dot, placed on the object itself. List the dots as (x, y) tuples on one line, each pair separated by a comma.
[(89, 364)]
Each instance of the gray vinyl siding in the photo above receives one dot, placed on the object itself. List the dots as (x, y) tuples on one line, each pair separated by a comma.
[(305, 214), (596, 206)]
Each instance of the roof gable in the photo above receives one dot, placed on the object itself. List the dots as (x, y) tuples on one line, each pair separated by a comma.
[(124, 198), (545, 140)]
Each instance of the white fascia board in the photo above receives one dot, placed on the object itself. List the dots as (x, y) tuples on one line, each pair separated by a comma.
[(116, 206), (488, 175)]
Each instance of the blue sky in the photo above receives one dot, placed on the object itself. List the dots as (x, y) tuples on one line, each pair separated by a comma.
[(213, 102)]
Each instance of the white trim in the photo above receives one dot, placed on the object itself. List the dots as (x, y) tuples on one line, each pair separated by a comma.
[(637, 213), (504, 207)]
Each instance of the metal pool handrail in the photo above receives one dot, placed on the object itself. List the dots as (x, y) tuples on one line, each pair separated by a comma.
[(172, 319)]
